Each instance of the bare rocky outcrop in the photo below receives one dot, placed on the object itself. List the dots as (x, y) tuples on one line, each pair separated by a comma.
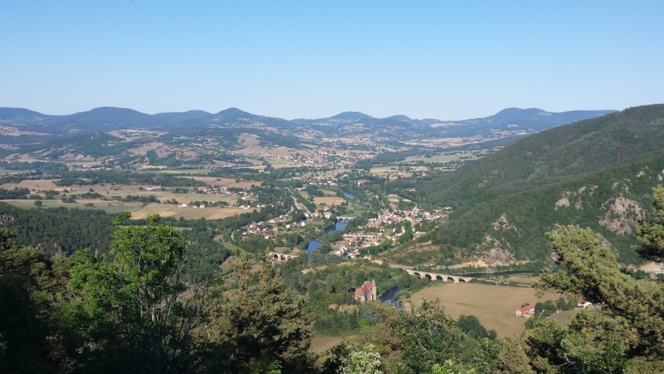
[(563, 202), (575, 197), (502, 224), (623, 216), (493, 253), (498, 257)]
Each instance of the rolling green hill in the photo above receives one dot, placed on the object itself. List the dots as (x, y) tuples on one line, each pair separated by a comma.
[(596, 173)]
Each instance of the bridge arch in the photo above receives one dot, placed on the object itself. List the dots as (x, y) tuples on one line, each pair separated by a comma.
[(439, 277), (280, 257)]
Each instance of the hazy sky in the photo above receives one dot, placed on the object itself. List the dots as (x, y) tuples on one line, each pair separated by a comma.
[(312, 59)]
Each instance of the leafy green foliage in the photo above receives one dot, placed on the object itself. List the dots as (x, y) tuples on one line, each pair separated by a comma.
[(23, 326), (362, 361), (650, 237), (425, 339), (121, 177), (16, 193), (258, 326), (131, 305), (613, 338), (472, 326), (59, 230)]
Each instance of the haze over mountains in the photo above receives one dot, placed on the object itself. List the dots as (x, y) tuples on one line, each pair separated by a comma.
[(109, 118)]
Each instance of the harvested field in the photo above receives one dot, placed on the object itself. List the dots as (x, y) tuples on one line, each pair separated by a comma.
[(111, 207), (168, 210), (225, 182), (328, 200), (36, 184), (493, 305), (384, 170), (443, 157)]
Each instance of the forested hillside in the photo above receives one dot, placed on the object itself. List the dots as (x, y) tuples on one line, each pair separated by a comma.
[(596, 173)]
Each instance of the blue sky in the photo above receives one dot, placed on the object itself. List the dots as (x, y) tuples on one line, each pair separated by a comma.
[(312, 59)]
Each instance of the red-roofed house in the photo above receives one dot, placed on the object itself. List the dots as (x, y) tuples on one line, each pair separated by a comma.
[(527, 311), (584, 303), (367, 292)]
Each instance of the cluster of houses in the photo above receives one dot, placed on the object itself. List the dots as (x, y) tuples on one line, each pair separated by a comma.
[(320, 181), (368, 238), (414, 216), (528, 311), (215, 190), (266, 231), (320, 157)]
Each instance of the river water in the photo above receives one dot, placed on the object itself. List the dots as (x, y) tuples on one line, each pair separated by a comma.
[(388, 297), (315, 243)]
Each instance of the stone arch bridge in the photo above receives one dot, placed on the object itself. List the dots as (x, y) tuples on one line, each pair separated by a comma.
[(440, 277), (281, 257), (345, 219)]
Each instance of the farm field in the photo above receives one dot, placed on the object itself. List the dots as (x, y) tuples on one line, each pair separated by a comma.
[(138, 209), (109, 191), (379, 170), (181, 171), (190, 213), (328, 200), (225, 182), (111, 207), (443, 157), (493, 305), (32, 184)]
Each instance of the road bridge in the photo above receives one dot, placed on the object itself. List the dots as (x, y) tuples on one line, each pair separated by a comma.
[(440, 277)]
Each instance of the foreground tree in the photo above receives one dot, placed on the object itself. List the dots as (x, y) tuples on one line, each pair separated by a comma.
[(259, 327), (420, 339), (129, 311), (362, 361), (624, 333), (650, 237), (23, 328)]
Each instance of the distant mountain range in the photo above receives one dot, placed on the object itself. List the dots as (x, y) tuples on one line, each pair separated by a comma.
[(109, 118)]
